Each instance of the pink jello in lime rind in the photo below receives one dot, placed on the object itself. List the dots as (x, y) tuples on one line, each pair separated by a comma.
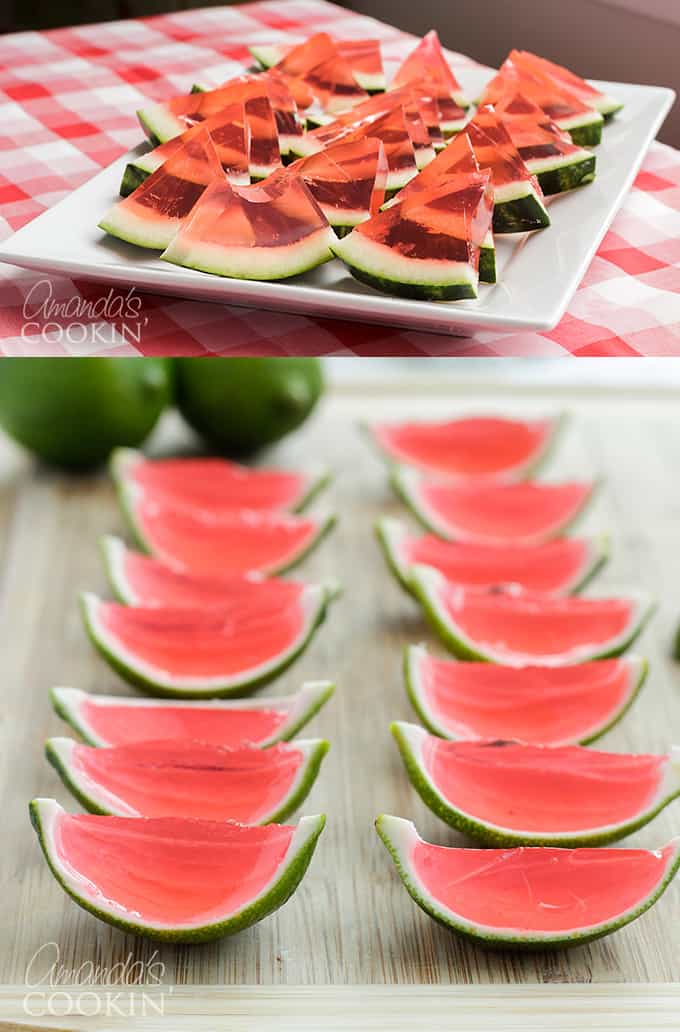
[(346, 179), (532, 132), (535, 789), (234, 543), (551, 567), (217, 484), (240, 635), (169, 872), (288, 122), (543, 705), (536, 628), (540, 890), (227, 727), (189, 779), (153, 583), (300, 60)]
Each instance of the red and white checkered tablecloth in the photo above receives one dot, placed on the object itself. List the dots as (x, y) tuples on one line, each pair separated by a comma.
[(67, 108)]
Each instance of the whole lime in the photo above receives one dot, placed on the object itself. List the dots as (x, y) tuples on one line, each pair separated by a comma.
[(73, 411), (241, 404)]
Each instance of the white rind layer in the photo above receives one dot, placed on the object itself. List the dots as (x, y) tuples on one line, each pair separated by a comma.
[(580, 120), (49, 813), (514, 192), (311, 696), (363, 253), (537, 165), (257, 263), (403, 839), (312, 602), (154, 232)]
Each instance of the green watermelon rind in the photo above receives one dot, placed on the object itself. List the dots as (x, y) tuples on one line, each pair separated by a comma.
[(487, 260), (425, 581), (231, 687), (274, 896), (126, 503), (389, 533), (382, 268), (58, 752), (518, 209), (585, 130), (556, 176), (414, 653), (254, 263), (404, 482), (159, 124), (133, 176), (409, 739), (301, 707), (390, 829)]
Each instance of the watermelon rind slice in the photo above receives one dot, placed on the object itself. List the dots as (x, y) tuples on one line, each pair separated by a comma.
[(45, 814), (317, 476), (96, 799), (426, 583), (301, 707), (411, 739), (129, 493), (314, 601), (268, 263), (558, 174), (386, 270), (414, 655), (518, 208), (405, 483), (399, 836), (391, 533), (267, 54)]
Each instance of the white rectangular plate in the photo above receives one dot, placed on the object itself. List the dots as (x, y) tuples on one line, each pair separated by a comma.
[(538, 273)]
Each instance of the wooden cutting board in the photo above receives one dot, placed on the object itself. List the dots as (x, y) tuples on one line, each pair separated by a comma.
[(351, 922)]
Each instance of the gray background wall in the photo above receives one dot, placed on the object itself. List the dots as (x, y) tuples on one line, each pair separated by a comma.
[(601, 39)]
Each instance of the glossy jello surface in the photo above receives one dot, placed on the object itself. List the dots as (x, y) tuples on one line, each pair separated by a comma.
[(238, 636), (169, 871), (540, 789), (235, 543), (190, 779), (275, 213), (122, 725), (174, 188), (536, 626), (534, 889), (542, 705)]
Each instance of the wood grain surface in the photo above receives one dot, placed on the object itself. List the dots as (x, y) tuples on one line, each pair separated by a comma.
[(351, 921)]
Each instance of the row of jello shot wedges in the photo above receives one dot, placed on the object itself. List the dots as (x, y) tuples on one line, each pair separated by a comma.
[(539, 673), (188, 792)]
